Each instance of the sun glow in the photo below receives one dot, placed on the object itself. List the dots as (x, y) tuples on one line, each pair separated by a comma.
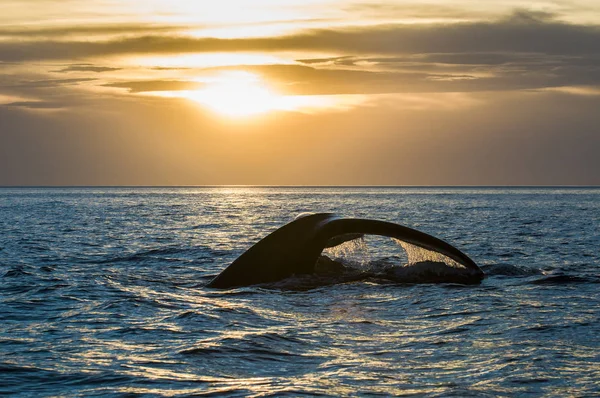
[(236, 94), (239, 94)]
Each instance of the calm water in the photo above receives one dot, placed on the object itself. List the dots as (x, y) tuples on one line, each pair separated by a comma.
[(102, 292)]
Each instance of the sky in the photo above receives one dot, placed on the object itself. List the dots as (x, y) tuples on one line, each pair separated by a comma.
[(299, 92)]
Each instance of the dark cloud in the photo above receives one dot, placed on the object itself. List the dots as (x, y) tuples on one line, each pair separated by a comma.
[(304, 79), (140, 86), (52, 94), (299, 79), (526, 50), (485, 58), (87, 30), (347, 60), (36, 105), (408, 78), (44, 91), (87, 68), (396, 76), (522, 32), (41, 83), (412, 10), (458, 61)]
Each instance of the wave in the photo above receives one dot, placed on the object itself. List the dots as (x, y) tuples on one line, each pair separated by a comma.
[(382, 271), (171, 253), (38, 379), (509, 270), (270, 346), (565, 279), (386, 270), (16, 272)]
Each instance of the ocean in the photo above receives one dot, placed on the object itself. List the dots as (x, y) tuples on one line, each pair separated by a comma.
[(103, 293)]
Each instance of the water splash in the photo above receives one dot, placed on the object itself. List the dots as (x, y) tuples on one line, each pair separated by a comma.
[(363, 254), (354, 253), (417, 255), (365, 258)]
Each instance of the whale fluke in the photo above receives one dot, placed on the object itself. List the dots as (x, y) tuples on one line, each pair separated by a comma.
[(295, 248)]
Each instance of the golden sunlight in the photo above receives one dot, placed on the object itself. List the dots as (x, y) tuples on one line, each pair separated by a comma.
[(238, 94)]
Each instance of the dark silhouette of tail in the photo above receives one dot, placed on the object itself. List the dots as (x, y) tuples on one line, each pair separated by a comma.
[(295, 248)]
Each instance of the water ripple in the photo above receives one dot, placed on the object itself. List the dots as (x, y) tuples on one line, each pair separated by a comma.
[(102, 293)]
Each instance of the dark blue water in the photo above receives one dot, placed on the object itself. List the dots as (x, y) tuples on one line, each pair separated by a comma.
[(102, 292)]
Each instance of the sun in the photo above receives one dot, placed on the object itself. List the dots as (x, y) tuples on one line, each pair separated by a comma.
[(241, 94), (237, 94)]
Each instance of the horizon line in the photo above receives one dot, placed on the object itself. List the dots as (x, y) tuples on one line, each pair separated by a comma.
[(302, 186)]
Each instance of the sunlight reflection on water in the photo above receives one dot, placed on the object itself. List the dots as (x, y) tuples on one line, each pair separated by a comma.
[(103, 292)]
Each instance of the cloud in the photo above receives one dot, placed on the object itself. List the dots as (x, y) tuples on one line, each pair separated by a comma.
[(87, 68), (309, 80), (347, 60), (39, 93), (45, 93), (384, 76), (522, 32), (525, 50), (30, 91), (141, 86), (412, 10), (87, 30), (42, 83), (36, 104), (575, 90)]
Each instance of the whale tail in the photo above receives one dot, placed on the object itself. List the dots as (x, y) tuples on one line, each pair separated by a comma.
[(295, 249)]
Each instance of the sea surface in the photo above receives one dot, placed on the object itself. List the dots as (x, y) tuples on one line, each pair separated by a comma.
[(102, 292)]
